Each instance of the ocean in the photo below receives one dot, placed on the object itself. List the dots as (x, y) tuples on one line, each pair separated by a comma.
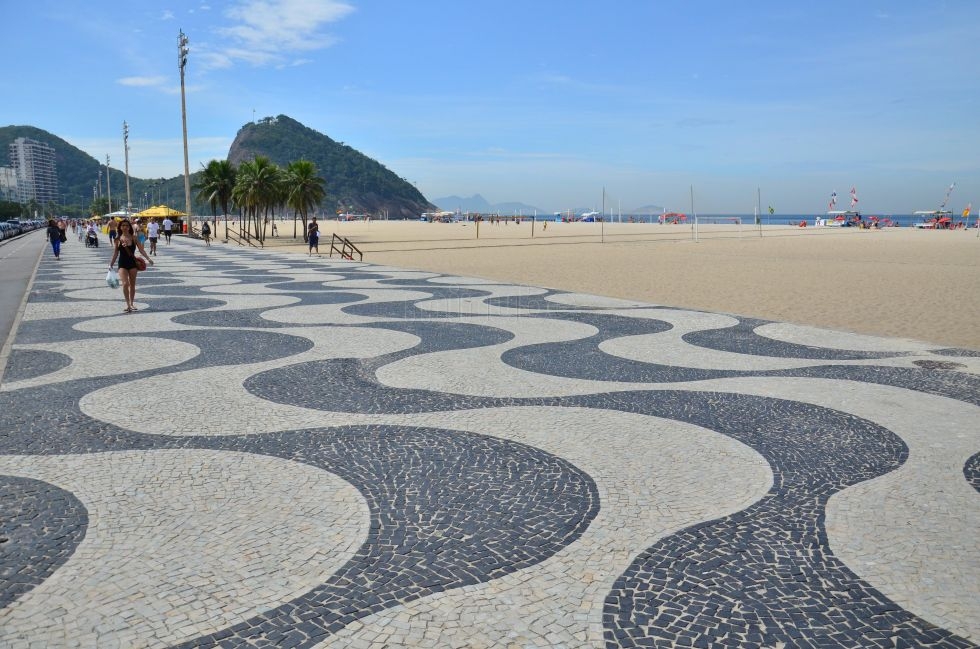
[(900, 220)]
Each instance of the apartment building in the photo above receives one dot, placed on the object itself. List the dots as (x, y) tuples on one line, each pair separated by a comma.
[(36, 175)]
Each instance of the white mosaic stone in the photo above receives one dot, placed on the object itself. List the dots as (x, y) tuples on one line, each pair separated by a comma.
[(912, 532), (651, 476), (93, 357), (181, 543), (828, 339), (596, 301), (452, 371), (197, 391)]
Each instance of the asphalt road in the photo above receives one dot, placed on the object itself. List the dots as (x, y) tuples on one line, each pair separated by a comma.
[(18, 257)]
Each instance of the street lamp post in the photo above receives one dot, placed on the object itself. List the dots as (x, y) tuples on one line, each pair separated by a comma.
[(182, 51), (129, 201), (108, 189)]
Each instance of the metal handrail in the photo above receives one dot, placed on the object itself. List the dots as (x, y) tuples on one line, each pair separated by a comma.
[(346, 249)]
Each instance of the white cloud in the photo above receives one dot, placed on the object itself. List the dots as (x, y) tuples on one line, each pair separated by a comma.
[(167, 15), (265, 32), (142, 82)]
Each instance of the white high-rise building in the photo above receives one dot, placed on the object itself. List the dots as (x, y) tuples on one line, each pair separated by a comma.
[(34, 165), (8, 184)]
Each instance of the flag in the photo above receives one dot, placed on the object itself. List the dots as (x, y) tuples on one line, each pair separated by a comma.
[(948, 192), (966, 212), (833, 201), (771, 211), (854, 197)]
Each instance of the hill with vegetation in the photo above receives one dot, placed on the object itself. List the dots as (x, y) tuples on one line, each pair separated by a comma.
[(354, 182)]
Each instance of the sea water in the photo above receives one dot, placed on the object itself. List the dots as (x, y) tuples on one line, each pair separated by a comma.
[(900, 220)]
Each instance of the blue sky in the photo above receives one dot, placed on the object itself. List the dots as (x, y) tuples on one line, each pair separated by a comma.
[(544, 102)]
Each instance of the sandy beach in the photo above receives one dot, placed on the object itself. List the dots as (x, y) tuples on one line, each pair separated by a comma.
[(898, 282)]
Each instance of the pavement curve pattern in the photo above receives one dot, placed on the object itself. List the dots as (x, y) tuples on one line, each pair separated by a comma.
[(284, 451)]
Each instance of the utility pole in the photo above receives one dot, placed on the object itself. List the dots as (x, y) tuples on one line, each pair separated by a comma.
[(129, 203), (182, 51), (108, 189)]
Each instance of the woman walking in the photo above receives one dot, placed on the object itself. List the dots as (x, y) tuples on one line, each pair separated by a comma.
[(54, 236), (125, 249)]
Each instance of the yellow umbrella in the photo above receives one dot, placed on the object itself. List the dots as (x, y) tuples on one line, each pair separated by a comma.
[(158, 211)]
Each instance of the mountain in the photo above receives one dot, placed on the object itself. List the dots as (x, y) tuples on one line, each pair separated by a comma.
[(476, 203), (354, 182)]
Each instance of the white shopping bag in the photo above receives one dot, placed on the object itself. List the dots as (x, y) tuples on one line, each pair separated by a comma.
[(112, 279)]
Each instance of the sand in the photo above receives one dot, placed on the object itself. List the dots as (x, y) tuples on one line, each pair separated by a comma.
[(898, 282)]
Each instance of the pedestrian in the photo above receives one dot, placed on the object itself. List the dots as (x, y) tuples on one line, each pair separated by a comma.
[(168, 228), (113, 224), (54, 236), (127, 243), (206, 233), (313, 232), (153, 233)]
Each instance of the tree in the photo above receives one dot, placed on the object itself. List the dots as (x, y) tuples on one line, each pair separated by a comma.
[(9, 210), (215, 186), (255, 190), (304, 189)]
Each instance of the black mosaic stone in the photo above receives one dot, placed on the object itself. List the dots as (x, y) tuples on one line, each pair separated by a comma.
[(539, 302), (954, 385), (742, 339), (966, 353), (939, 365), (297, 286), (180, 290), (178, 303), (30, 363), (448, 509), (349, 385), (767, 572), (235, 347), (240, 318), (56, 330), (405, 309), (971, 470), (41, 294), (582, 359), (40, 527)]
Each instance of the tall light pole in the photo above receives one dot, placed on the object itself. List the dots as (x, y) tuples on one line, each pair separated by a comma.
[(108, 189), (182, 51), (129, 202)]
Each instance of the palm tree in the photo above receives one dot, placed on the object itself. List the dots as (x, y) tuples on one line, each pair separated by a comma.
[(305, 190), (255, 190), (215, 187)]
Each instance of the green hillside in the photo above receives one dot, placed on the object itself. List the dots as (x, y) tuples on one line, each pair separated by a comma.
[(78, 174), (354, 182)]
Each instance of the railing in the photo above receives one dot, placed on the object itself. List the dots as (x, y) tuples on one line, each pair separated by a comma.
[(346, 249), (242, 238)]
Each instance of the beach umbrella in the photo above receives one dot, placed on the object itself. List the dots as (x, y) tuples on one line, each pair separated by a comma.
[(159, 211)]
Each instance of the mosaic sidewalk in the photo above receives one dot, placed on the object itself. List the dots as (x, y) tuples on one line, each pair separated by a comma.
[(279, 451)]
